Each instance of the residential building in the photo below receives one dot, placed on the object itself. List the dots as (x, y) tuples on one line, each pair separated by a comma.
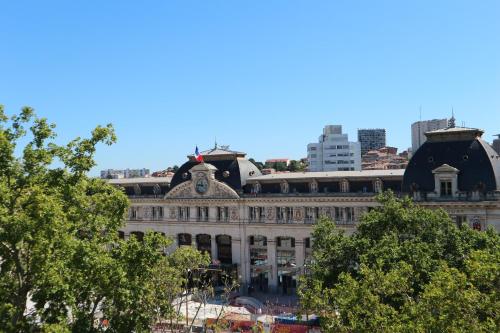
[(419, 128), (334, 152), (258, 227), (371, 139), (273, 161)]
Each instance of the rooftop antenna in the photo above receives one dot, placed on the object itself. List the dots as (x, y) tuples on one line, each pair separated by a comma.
[(451, 122), (215, 147)]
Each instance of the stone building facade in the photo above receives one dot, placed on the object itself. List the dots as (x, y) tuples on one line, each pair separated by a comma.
[(259, 226)]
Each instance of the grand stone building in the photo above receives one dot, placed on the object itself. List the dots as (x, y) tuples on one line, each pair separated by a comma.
[(259, 226)]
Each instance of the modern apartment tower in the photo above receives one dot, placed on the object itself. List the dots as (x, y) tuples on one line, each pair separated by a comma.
[(419, 128), (371, 139), (334, 152)]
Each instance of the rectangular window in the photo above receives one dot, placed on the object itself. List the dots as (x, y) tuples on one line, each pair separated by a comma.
[(133, 213), (183, 213), (222, 213), (202, 214), (338, 215), (461, 220), (284, 214), (349, 211), (446, 188), (157, 213)]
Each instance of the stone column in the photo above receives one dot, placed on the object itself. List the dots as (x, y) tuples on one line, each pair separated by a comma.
[(245, 261), (235, 250), (236, 258), (271, 259), (213, 247), (299, 253)]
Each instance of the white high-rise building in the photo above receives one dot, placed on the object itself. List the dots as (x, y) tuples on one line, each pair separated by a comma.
[(419, 128), (334, 152), (496, 144)]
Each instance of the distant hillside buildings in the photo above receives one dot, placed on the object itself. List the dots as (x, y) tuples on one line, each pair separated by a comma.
[(371, 139), (127, 173), (334, 152), (385, 158)]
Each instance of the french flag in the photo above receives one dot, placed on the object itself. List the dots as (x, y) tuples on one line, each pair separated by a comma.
[(197, 155)]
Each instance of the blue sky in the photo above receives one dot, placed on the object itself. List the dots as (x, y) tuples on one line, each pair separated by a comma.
[(261, 76)]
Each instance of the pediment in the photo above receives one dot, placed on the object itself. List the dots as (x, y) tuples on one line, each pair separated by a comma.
[(216, 190), (445, 168)]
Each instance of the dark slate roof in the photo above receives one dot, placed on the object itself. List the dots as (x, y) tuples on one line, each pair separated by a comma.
[(461, 148)]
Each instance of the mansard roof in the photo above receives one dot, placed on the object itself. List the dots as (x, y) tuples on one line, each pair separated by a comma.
[(291, 176), (460, 148), (140, 180)]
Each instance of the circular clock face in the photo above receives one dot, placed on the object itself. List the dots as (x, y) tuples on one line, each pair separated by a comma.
[(201, 185)]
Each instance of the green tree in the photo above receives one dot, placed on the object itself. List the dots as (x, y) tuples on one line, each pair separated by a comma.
[(296, 166), (406, 268), (259, 165), (45, 213), (59, 248)]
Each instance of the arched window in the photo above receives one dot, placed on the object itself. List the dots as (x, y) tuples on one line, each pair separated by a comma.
[(204, 243), (138, 234), (224, 252), (184, 239)]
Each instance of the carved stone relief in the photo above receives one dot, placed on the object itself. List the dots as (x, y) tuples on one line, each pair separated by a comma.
[(147, 212), (298, 213), (216, 189), (173, 213), (270, 216), (234, 214)]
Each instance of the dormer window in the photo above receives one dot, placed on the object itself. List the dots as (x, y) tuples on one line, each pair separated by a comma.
[(284, 187), (445, 181), (344, 186), (313, 186)]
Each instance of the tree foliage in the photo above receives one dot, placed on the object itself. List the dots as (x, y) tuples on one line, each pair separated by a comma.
[(61, 262), (405, 269)]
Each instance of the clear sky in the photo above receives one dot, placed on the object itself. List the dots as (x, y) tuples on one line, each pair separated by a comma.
[(262, 76)]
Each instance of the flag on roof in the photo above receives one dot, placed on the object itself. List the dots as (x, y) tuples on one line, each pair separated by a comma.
[(197, 155)]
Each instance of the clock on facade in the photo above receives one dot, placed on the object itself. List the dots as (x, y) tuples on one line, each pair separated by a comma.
[(201, 185)]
